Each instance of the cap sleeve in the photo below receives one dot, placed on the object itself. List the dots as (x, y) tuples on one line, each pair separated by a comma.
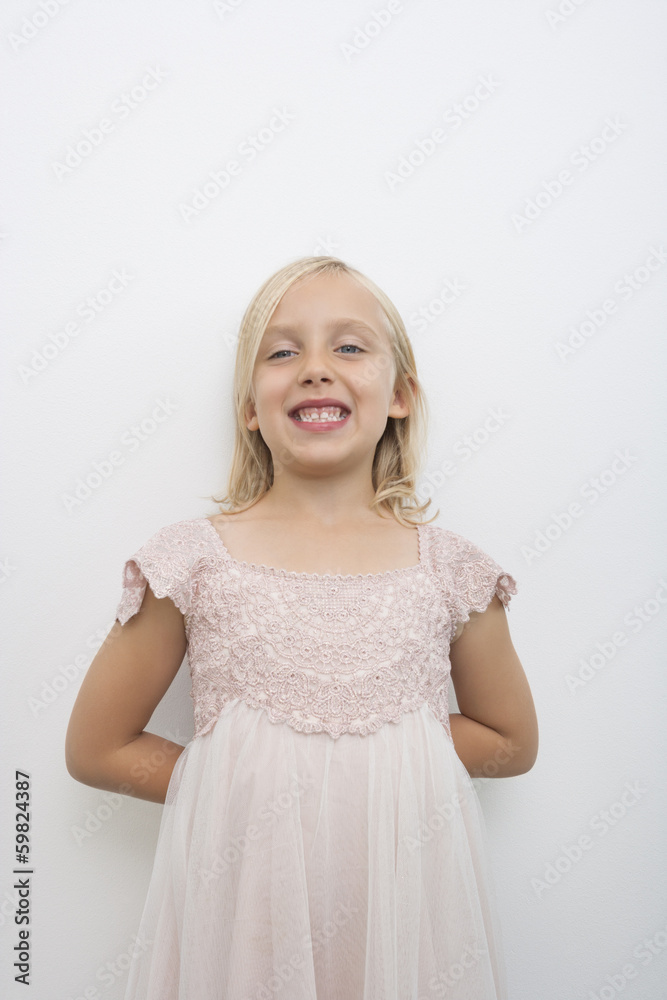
[(163, 562), (474, 578)]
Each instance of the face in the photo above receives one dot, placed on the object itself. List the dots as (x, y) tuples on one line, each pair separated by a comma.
[(325, 339)]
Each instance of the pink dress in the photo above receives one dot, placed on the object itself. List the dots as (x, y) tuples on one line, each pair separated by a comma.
[(320, 838)]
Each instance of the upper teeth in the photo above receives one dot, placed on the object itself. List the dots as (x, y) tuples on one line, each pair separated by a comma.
[(322, 413)]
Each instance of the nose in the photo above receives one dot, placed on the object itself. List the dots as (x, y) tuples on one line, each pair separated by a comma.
[(315, 367)]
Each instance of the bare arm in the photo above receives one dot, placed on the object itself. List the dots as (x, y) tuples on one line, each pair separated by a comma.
[(496, 733), (106, 745)]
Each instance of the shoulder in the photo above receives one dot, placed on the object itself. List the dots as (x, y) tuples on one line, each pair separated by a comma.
[(166, 561), (467, 570), (182, 541), (449, 549)]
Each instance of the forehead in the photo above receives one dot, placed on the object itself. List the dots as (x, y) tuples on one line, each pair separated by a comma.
[(323, 297)]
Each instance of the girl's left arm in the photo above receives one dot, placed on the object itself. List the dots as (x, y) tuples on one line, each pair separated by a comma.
[(495, 733)]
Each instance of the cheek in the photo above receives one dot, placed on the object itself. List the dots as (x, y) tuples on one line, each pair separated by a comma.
[(371, 374), (269, 393), (376, 377)]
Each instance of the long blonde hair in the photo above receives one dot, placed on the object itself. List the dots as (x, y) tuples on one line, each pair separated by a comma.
[(399, 452)]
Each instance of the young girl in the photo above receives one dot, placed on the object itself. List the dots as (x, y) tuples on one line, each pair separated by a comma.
[(321, 837)]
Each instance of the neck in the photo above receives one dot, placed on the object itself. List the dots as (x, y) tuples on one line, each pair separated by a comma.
[(318, 502)]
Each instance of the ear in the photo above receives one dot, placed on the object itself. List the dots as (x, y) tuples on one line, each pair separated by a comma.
[(251, 421), (400, 406)]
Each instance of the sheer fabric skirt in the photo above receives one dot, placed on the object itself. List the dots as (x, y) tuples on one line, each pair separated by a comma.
[(301, 867)]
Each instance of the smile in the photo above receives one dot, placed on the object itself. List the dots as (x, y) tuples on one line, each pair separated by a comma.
[(321, 423)]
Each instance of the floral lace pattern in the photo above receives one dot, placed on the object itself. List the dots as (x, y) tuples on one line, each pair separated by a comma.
[(337, 653)]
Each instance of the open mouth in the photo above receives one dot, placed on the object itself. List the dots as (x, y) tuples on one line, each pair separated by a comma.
[(320, 415)]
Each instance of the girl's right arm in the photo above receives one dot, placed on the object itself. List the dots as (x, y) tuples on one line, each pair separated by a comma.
[(106, 745)]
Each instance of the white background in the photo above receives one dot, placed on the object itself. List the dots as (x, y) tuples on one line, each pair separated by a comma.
[(360, 101)]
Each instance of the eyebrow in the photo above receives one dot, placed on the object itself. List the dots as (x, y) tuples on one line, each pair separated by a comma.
[(280, 329)]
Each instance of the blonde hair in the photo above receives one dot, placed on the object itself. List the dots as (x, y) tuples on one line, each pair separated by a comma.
[(399, 452)]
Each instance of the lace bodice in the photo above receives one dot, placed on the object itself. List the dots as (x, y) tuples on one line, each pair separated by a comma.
[(332, 653)]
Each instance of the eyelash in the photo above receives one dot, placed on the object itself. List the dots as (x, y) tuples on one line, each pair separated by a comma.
[(286, 350)]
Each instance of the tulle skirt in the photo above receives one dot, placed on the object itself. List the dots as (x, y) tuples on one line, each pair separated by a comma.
[(303, 867)]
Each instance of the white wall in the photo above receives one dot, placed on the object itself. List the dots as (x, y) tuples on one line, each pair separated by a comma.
[(219, 73)]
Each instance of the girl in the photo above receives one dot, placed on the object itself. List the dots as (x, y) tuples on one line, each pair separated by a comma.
[(321, 837)]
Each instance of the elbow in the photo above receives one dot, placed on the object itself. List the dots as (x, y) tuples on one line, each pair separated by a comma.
[(75, 766), (520, 753), (72, 758), (85, 771), (81, 764), (524, 764)]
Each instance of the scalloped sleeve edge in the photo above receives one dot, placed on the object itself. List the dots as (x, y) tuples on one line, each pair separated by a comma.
[(500, 584), (137, 574)]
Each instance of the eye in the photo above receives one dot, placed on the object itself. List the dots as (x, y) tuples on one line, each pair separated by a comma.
[(286, 350)]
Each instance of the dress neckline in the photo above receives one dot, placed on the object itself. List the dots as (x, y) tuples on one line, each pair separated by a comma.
[(279, 571)]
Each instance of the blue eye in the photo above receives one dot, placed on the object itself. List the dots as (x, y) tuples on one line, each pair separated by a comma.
[(286, 350)]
